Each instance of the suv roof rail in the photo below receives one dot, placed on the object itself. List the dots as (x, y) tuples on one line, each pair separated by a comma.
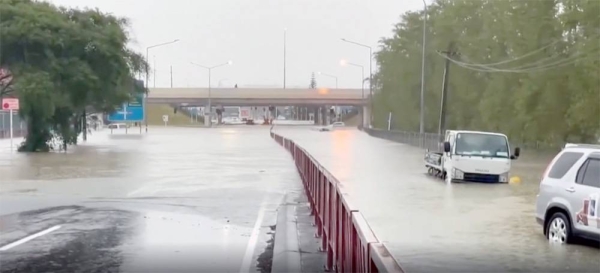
[(582, 145)]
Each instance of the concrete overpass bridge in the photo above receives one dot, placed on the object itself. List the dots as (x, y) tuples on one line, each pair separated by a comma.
[(259, 96)]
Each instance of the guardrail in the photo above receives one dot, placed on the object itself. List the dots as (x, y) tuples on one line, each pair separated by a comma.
[(433, 141), (346, 237), (426, 140)]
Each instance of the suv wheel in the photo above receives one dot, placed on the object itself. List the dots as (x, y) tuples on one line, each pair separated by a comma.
[(558, 229)]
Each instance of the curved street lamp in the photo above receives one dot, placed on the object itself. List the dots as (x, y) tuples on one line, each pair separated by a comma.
[(147, 76), (362, 68), (210, 68)]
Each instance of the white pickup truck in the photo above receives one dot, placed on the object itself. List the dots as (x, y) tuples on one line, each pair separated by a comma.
[(472, 156)]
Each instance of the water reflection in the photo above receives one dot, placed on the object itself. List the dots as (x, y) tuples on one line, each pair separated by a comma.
[(432, 226)]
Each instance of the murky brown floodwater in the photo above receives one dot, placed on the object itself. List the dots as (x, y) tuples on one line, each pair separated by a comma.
[(183, 200), (431, 226)]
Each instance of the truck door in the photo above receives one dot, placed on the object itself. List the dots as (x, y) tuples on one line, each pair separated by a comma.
[(446, 159)]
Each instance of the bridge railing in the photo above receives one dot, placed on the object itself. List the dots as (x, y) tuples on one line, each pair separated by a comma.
[(346, 237)]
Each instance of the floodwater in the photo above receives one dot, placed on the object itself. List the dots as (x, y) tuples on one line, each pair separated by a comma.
[(431, 226), (171, 200)]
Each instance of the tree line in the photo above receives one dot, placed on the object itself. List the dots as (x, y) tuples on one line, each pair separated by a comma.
[(529, 69), (62, 62)]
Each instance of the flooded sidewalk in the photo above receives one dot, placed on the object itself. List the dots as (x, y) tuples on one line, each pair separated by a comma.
[(431, 226)]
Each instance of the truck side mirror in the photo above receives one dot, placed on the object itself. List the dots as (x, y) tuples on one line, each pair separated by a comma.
[(446, 146), (517, 152)]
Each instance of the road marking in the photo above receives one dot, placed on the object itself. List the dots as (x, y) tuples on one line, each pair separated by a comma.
[(135, 192), (254, 237), (29, 238)]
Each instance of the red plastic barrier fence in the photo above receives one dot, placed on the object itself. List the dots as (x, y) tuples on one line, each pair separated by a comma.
[(350, 243)]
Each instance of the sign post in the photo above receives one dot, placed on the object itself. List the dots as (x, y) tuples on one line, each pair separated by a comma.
[(10, 104), (165, 119), (132, 111)]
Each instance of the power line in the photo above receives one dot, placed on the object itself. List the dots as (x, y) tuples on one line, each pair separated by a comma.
[(539, 65), (523, 69)]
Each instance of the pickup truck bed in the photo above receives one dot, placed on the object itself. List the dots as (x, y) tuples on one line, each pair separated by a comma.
[(433, 163)]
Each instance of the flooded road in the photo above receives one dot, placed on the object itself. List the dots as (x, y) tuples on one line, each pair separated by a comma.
[(174, 200), (431, 226)]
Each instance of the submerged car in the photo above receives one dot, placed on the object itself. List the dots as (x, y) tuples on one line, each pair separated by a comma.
[(332, 126)]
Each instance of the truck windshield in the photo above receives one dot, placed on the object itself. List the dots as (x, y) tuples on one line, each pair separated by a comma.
[(481, 145)]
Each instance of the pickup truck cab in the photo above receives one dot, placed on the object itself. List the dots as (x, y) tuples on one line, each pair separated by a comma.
[(472, 156)]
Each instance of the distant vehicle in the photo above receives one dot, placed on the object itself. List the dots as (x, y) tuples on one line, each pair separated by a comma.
[(567, 204), (119, 125), (232, 121), (332, 126), (280, 117), (472, 156)]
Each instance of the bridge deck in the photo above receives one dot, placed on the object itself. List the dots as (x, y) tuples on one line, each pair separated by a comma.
[(257, 93)]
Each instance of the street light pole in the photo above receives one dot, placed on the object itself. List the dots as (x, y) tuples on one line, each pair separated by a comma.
[(370, 71), (209, 96), (331, 76), (210, 68), (284, 61), (422, 109), (147, 76), (362, 79), (284, 54)]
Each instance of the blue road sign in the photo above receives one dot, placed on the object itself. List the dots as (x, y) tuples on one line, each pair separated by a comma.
[(132, 111)]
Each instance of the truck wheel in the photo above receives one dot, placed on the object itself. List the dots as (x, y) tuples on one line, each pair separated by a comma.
[(558, 229)]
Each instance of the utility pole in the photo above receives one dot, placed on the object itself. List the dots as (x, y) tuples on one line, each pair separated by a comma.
[(284, 61), (84, 125), (171, 76), (449, 54), (422, 101)]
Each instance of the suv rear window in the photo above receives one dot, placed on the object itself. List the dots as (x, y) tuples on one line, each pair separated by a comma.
[(564, 164)]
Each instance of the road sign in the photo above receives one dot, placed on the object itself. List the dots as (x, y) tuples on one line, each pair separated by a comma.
[(10, 104), (132, 111)]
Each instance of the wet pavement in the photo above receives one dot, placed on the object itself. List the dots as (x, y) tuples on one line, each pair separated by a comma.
[(431, 226), (174, 200)]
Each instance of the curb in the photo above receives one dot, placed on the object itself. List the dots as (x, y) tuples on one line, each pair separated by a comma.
[(286, 249)]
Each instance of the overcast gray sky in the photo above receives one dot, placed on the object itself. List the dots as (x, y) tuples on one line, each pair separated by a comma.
[(250, 33)]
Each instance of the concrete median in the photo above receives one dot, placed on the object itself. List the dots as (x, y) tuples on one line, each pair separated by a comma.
[(286, 250)]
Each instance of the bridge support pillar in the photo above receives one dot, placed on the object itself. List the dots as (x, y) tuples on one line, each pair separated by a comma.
[(366, 116), (327, 115), (207, 116)]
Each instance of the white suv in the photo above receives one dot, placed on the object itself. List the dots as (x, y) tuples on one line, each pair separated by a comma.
[(567, 205)]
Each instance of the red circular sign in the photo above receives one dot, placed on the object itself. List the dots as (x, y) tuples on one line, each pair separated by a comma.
[(5, 106)]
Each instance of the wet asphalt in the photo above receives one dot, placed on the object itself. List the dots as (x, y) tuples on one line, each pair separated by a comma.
[(172, 200), (431, 226)]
